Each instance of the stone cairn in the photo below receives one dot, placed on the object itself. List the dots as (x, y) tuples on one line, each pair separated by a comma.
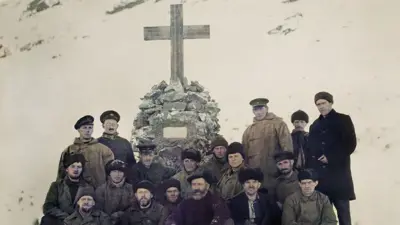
[(173, 105)]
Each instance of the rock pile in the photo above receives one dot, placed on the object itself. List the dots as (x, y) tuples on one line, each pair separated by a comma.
[(173, 106)]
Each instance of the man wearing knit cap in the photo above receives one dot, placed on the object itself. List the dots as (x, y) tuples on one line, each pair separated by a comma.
[(299, 120), (229, 186), (171, 198), (96, 154), (252, 207), (217, 162), (308, 206), (147, 168), (204, 207), (287, 181), (144, 209), (115, 196), (267, 135), (121, 147), (191, 159), (86, 211), (60, 198), (331, 141)]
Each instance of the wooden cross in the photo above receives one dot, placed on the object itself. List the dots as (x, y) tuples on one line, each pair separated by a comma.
[(176, 33)]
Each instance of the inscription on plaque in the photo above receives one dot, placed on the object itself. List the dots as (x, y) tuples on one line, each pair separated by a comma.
[(175, 132)]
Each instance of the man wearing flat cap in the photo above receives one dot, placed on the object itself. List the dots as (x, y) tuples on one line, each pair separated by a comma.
[(299, 120), (308, 206), (144, 211), (147, 168), (86, 213), (120, 146), (62, 194), (287, 182), (96, 154), (191, 159), (268, 134), (331, 141), (203, 207), (115, 196), (217, 163), (253, 207)]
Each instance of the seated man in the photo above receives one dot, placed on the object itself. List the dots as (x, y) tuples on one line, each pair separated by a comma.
[(308, 206), (203, 207), (147, 169), (252, 207), (59, 202), (171, 198), (144, 211), (191, 159), (85, 212), (115, 196), (229, 186)]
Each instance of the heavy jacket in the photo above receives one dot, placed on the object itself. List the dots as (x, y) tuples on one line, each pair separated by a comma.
[(185, 185), (261, 140), (216, 166), (150, 216), (229, 186), (267, 213), (314, 210), (286, 186), (59, 203), (95, 218), (300, 146), (334, 137), (97, 156), (210, 210), (156, 173), (114, 200)]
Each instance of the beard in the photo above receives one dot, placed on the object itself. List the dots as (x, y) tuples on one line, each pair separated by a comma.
[(86, 208), (144, 202), (285, 171)]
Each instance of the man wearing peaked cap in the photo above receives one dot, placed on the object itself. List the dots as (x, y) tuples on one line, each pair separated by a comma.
[(300, 137), (191, 159), (331, 142), (145, 210), (267, 134), (96, 154), (253, 206), (149, 169), (308, 199), (115, 196), (121, 147), (58, 203), (286, 183)]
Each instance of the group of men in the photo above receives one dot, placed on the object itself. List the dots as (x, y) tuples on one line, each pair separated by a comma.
[(273, 177)]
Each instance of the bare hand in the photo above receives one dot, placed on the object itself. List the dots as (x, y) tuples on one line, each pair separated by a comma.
[(323, 159)]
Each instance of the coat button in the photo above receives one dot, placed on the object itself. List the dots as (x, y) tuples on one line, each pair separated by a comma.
[(323, 143)]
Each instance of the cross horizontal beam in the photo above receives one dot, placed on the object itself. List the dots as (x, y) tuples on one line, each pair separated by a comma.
[(189, 32)]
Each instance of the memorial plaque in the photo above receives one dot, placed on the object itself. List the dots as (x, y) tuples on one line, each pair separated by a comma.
[(175, 132)]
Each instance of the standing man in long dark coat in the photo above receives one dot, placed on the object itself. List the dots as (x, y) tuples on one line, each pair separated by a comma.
[(332, 140), (120, 146)]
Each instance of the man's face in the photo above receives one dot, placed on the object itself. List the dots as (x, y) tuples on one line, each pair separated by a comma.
[(147, 158), (285, 166), (74, 170), (190, 165), (299, 124), (251, 187), (199, 188), (308, 186), (86, 131), (324, 107), (117, 176), (235, 160), (172, 194), (143, 196), (260, 112), (86, 203), (219, 152), (110, 126)]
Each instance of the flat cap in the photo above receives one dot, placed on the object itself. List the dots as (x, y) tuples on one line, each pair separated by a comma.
[(259, 102), (145, 184), (110, 114), (205, 174), (283, 155), (146, 148), (86, 120), (308, 174)]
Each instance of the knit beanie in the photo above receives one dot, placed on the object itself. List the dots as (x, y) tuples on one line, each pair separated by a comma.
[(219, 141), (323, 95)]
